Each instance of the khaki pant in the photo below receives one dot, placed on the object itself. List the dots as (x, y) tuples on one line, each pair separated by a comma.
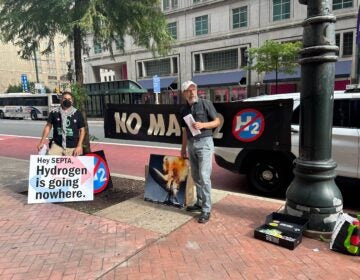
[(56, 150)]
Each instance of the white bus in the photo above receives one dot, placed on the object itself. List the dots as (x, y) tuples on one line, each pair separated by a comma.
[(27, 105)]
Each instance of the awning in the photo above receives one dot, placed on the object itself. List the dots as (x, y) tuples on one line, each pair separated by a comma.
[(165, 82), (271, 77), (224, 78), (342, 69)]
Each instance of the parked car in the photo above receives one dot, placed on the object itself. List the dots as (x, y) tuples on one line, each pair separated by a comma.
[(270, 172)]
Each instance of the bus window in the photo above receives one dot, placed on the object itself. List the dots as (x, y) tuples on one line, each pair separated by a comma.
[(55, 99)]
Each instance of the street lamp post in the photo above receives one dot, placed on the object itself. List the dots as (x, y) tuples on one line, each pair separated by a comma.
[(313, 193), (36, 66), (248, 79)]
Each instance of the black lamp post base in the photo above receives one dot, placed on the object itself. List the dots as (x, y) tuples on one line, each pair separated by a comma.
[(314, 195)]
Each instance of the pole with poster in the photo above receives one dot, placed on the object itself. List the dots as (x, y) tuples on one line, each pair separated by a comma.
[(156, 87)]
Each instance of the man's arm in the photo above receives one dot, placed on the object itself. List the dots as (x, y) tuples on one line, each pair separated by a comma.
[(183, 143), (79, 148), (44, 135), (207, 125)]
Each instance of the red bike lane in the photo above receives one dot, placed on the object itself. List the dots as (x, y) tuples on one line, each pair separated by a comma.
[(122, 159)]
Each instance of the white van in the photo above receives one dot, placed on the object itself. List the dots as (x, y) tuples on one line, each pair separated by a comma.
[(270, 172)]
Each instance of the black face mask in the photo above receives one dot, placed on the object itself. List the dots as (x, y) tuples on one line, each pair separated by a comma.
[(66, 103)]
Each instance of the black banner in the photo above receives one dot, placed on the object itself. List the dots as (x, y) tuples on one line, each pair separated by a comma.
[(264, 124)]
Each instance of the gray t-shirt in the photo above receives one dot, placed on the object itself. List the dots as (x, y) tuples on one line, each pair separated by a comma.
[(202, 111)]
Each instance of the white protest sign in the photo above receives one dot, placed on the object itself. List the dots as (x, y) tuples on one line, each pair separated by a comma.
[(60, 179)]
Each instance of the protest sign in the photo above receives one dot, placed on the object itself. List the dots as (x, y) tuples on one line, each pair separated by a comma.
[(60, 179)]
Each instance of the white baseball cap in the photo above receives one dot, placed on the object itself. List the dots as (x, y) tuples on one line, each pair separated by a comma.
[(185, 85)]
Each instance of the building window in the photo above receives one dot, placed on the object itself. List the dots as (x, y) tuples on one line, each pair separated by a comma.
[(244, 57), (337, 42), (170, 4), (119, 43), (175, 65), (97, 47), (140, 70), (172, 28), (239, 17), (281, 9), (157, 67), (341, 4), (166, 4), (196, 1), (222, 60), (348, 44), (201, 25), (197, 63)]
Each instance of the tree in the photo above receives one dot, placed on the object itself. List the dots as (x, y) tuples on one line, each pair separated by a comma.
[(18, 88), (28, 22), (275, 56)]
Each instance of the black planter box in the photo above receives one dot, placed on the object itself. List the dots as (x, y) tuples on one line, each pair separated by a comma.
[(282, 229)]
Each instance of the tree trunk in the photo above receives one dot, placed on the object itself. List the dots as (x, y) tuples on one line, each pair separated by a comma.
[(80, 81), (77, 55)]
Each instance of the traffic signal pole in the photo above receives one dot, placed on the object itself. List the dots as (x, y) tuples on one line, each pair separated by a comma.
[(313, 193)]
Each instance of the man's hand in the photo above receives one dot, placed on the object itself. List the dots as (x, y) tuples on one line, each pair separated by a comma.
[(78, 151), (198, 125), (183, 152), (40, 145)]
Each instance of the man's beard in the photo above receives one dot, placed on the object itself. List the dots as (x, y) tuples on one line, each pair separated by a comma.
[(193, 100)]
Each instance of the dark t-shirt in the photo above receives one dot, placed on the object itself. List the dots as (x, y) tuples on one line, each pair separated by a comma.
[(75, 122), (202, 111)]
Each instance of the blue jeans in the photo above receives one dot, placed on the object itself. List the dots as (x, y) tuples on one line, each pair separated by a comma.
[(200, 154)]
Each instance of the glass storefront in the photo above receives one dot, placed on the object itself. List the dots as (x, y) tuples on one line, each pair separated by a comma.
[(223, 94)]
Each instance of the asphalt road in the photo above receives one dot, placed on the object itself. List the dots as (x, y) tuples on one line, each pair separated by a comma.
[(29, 127), (18, 139)]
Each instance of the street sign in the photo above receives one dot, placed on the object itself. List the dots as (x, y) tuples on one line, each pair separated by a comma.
[(156, 84), (24, 83), (248, 125), (101, 173)]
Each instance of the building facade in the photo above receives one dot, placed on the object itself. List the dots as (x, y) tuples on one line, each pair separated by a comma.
[(212, 38), (52, 68)]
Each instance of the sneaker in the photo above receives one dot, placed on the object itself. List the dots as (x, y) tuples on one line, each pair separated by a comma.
[(193, 208), (204, 217)]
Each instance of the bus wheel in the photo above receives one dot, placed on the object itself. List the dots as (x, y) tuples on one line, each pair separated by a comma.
[(34, 115), (1, 114)]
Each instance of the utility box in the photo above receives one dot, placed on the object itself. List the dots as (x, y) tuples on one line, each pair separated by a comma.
[(282, 229)]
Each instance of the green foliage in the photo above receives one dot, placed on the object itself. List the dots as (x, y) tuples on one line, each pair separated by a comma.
[(14, 88), (275, 56), (27, 22), (80, 96), (18, 88)]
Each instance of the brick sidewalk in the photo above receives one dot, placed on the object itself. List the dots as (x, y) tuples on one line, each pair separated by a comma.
[(48, 241), (225, 248)]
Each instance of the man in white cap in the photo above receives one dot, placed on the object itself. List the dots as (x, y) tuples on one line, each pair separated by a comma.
[(200, 147)]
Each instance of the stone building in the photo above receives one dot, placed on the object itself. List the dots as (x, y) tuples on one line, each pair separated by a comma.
[(211, 42), (52, 68)]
